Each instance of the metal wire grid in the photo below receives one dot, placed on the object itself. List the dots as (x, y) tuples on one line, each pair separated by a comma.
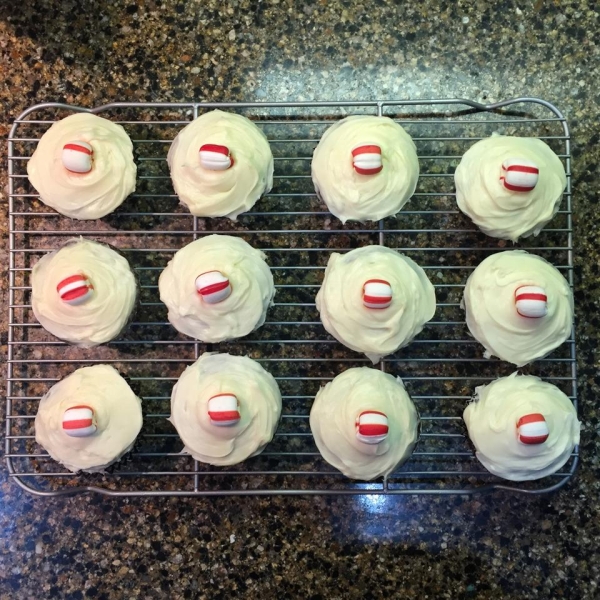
[(440, 368)]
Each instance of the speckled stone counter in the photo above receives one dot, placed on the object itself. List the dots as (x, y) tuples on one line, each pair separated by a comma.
[(493, 546)]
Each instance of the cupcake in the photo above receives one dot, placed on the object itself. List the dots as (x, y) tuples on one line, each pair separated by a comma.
[(225, 408), (364, 423), (221, 164), (518, 306), (89, 419), (217, 288), (510, 187), (83, 293), (375, 300), (522, 427), (365, 168), (83, 166)]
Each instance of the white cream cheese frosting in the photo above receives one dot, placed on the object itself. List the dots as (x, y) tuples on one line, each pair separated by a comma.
[(492, 421), (243, 311), (106, 311), (259, 406), (117, 415), (221, 193), (350, 195), (500, 212), (491, 312), (89, 195), (376, 332), (334, 419)]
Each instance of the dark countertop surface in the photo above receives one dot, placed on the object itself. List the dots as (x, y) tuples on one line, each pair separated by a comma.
[(492, 546)]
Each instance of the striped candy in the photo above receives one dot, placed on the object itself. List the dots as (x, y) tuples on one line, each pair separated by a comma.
[(78, 421), (77, 157), (223, 410), (371, 427), (215, 157), (75, 290), (366, 159), (519, 175), (531, 301), (533, 429), (377, 293), (213, 286)]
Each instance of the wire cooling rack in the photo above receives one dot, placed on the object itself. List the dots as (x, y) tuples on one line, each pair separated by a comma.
[(440, 368)]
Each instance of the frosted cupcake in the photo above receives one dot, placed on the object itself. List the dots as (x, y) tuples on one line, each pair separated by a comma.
[(365, 168), (225, 408), (522, 427), (510, 187), (83, 293), (518, 306), (83, 166), (375, 300), (89, 419), (217, 288), (364, 423), (221, 164)]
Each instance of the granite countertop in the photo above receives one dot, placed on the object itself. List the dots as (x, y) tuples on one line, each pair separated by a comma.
[(488, 546)]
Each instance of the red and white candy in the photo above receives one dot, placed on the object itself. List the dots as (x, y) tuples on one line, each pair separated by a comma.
[(533, 429), (77, 157), (215, 157), (377, 293), (531, 301), (366, 159), (519, 175), (224, 410), (79, 421), (75, 290), (213, 286), (372, 427)]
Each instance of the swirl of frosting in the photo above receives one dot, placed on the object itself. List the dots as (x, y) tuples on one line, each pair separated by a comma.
[(259, 405), (337, 409), (107, 309), (221, 193), (117, 415), (493, 419), (351, 195), (241, 312), (504, 213), (376, 332), (90, 195), (491, 310)]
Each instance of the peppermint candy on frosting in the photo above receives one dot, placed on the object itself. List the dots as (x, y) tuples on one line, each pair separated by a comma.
[(366, 159), (377, 293), (79, 421), (372, 427), (75, 290), (215, 157), (77, 157), (519, 175), (533, 429), (531, 301), (223, 410), (213, 286)]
